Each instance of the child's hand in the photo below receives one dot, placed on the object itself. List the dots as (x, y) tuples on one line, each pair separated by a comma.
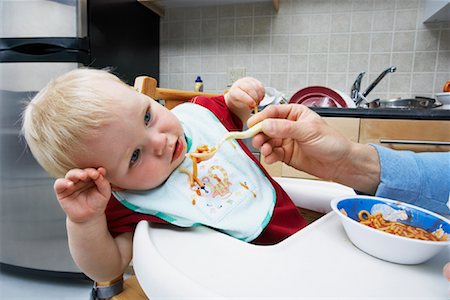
[(243, 96), (83, 194)]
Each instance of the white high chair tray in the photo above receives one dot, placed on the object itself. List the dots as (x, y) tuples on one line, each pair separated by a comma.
[(316, 262)]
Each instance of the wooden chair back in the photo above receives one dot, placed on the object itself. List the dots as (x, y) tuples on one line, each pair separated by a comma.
[(172, 97)]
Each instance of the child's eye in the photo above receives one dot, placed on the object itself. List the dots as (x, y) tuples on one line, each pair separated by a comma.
[(147, 117), (135, 156)]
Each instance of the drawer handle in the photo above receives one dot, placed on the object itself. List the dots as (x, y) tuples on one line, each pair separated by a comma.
[(413, 142)]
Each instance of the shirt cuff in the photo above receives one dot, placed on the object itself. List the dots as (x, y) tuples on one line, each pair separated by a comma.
[(409, 177)]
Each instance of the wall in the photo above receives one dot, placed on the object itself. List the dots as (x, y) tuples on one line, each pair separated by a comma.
[(308, 42)]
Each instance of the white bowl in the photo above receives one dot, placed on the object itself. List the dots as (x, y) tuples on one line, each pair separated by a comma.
[(387, 246), (444, 98)]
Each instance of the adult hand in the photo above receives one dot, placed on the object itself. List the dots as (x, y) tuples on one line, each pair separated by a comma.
[(243, 96), (299, 137), (83, 194)]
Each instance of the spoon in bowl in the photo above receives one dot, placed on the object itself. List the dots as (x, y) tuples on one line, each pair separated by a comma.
[(207, 154)]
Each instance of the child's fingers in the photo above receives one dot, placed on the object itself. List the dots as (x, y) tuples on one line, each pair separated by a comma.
[(103, 185), (254, 88), (102, 171), (259, 91), (73, 189), (76, 175), (76, 181), (245, 98), (85, 175), (62, 184), (98, 176)]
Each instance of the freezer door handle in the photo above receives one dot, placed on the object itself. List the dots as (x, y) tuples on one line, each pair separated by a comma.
[(63, 49)]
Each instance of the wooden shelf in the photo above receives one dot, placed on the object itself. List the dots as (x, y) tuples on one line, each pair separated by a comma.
[(153, 5), (159, 6)]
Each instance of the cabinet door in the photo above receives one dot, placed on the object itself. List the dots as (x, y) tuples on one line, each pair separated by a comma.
[(415, 135), (349, 127)]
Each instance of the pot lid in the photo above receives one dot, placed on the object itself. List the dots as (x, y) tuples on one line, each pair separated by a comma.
[(417, 102)]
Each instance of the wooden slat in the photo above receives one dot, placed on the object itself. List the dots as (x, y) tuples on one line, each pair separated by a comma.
[(172, 97), (131, 291), (276, 5)]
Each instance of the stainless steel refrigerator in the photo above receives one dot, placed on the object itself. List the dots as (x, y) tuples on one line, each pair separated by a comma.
[(41, 39)]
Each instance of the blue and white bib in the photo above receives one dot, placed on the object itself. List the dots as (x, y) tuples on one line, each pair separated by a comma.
[(236, 197)]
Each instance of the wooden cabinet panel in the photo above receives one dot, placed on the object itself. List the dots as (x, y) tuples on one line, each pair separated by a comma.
[(349, 127), (415, 135)]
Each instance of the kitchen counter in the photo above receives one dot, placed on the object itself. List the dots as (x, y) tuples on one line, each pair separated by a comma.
[(385, 113)]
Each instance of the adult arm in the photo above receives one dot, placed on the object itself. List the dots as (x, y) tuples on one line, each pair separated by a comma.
[(422, 179), (299, 137)]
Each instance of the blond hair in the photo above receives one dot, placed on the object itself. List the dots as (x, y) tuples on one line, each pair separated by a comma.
[(69, 109)]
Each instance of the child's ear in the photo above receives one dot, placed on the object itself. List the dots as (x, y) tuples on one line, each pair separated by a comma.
[(116, 188)]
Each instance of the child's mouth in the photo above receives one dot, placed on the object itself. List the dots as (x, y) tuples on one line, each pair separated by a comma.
[(178, 151)]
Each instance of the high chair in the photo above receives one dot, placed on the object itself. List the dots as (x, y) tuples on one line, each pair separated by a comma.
[(316, 205)]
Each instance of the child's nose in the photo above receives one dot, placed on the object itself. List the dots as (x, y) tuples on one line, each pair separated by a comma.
[(158, 142)]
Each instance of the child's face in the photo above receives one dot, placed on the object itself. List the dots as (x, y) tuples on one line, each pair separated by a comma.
[(140, 148)]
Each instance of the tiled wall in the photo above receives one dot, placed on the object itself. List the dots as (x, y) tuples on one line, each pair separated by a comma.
[(308, 42)]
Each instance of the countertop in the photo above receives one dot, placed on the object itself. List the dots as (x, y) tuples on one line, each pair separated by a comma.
[(385, 113)]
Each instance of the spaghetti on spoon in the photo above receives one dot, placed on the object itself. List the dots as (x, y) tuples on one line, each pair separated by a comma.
[(204, 153)]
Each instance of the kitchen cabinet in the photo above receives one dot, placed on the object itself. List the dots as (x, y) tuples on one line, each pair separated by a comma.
[(415, 135), (159, 6), (436, 11)]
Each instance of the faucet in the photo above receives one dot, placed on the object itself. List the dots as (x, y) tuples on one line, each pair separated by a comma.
[(354, 94), (358, 97)]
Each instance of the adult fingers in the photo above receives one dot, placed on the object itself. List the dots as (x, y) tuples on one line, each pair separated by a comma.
[(271, 111), (272, 154), (281, 129), (260, 139)]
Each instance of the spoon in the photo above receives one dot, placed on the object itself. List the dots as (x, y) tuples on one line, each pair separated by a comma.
[(252, 131)]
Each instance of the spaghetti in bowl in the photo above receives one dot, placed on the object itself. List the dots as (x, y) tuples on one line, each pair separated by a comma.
[(392, 230)]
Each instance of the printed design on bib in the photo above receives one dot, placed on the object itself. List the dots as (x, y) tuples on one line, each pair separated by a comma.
[(221, 188), (220, 183)]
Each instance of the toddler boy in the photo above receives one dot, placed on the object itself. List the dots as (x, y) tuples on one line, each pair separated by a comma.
[(118, 155)]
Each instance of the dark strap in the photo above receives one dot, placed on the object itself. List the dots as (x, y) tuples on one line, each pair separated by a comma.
[(104, 292)]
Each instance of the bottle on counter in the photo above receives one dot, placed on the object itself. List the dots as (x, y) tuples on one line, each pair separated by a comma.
[(198, 86)]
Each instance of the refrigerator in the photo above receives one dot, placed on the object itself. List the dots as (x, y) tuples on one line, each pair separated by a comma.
[(41, 39)]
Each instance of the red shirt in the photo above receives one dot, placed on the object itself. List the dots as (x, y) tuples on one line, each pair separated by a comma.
[(285, 221)]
